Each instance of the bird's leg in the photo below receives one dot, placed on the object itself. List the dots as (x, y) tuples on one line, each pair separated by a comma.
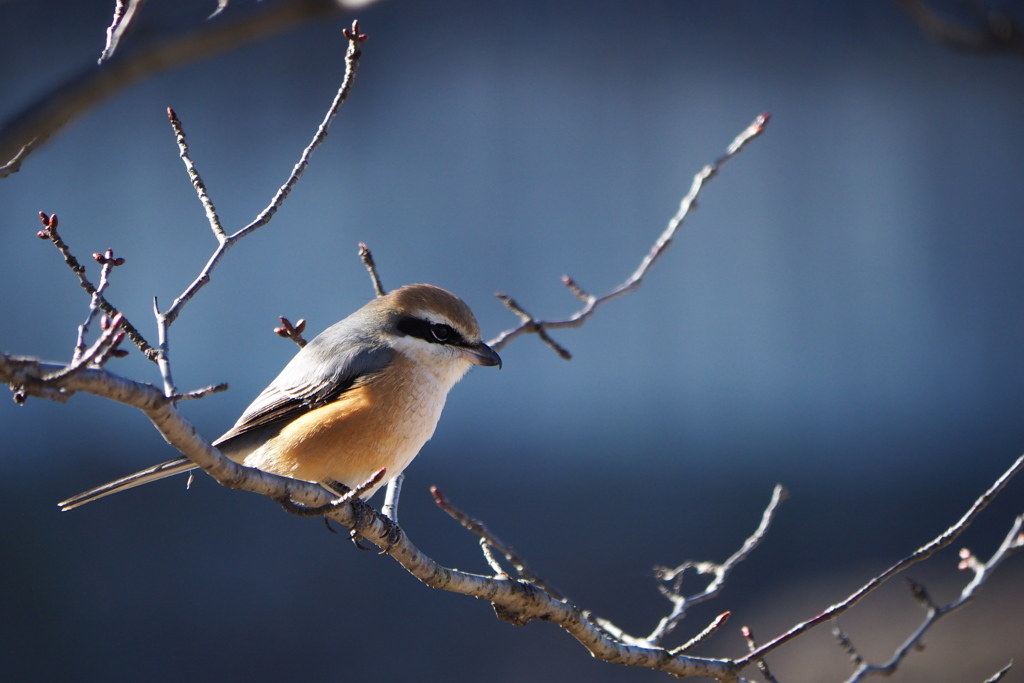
[(390, 507), (364, 515)]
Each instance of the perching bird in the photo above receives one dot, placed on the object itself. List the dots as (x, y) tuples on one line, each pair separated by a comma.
[(364, 394)]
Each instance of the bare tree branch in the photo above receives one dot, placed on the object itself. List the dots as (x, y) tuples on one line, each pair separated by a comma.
[(748, 636), (488, 539), (366, 256), (999, 674), (924, 552), (1012, 543), (123, 22), (293, 332), (31, 127), (530, 325), (720, 572), (225, 243), (709, 631), (193, 174), (96, 297), (997, 31)]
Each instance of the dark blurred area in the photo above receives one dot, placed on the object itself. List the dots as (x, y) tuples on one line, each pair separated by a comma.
[(841, 315)]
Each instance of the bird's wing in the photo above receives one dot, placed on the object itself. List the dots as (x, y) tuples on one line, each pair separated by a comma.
[(324, 370)]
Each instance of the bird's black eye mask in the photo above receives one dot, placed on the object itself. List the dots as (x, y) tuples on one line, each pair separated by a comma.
[(435, 333)]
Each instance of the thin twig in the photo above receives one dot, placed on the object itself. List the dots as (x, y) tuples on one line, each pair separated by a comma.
[(1012, 543), (997, 31), (394, 491), (163, 359), (94, 308), (761, 664), (924, 552), (710, 630), (96, 354), (200, 393), (290, 331), (29, 129), (336, 503), (193, 174), (721, 572), (366, 256), (998, 676), (120, 25), (480, 529), (530, 325), (355, 39), (50, 232)]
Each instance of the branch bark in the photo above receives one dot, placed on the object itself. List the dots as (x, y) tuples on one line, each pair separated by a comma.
[(30, 128)]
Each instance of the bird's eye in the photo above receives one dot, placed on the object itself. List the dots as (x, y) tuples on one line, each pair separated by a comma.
[(441, 332)]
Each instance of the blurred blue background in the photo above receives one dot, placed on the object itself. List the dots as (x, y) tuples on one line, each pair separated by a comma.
[(842, 315)]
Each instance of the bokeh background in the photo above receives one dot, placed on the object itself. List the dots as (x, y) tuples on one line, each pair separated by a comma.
[(842, 315)]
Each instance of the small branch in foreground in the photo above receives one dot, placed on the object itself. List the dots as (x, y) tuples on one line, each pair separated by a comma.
[(924, 552), (366, 256), (720, 572), (293, 332), (31, 127), (711, 629), (49, 232), (123, 21), (107, 265), (998, 676), (530, 325), (1012, 543), (489, 539), (97, 354), (681, 602), (997, 31), (761, 664), (355, 39), (193, 174), (200, 393)]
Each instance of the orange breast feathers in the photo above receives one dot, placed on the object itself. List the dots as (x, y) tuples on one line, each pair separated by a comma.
[(382, 421)]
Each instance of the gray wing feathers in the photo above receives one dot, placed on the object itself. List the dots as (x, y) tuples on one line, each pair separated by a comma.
[(324, 369)]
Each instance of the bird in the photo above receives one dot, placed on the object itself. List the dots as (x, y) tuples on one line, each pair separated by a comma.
[(364, 394)]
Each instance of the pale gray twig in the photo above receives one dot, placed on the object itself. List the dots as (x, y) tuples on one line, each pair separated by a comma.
[(1012, 543), (28, 129), (193, 174), (996, 32), (924, 552), (366, 256), (530, 325), (225, 242), (710, 630), (394, 491), (998, 676), (125, 15), (680, 602), (49, 232), (200, 393), (97, 354), (748, 636), (94, 308), (480, 529)]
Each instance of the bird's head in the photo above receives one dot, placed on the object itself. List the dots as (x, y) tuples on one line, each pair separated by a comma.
[(435, 328)]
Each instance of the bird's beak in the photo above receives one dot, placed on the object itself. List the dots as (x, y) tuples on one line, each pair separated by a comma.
[(481, 354)]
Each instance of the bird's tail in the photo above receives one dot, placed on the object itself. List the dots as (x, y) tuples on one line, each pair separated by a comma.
[(164, 469)]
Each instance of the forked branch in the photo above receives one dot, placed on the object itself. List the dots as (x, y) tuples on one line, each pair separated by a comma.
[(531, 325)]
